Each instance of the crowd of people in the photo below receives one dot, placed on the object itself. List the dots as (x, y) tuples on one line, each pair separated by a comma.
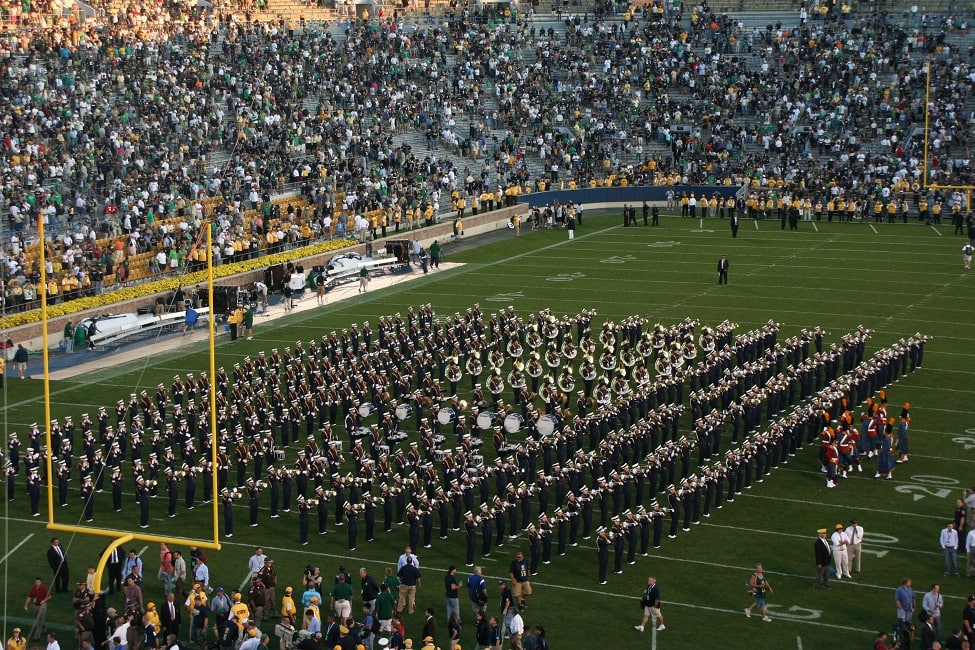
[(136, 126), (314, 615)]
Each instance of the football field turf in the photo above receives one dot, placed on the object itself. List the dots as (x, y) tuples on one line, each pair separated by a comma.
[(893, 279)]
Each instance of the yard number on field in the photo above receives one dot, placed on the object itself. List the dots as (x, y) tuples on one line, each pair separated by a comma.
[(566, 277), (506, 297), (936, 486), (618, 259)]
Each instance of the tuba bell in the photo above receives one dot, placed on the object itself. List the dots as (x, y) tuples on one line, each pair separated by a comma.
[(514, 348), (454, 373), (569, 349), (566, 383), (474, 366), (534, 338)]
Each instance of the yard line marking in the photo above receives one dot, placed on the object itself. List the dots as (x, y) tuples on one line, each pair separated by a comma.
[(815, 227), (14, 549), (244, 581), (937, 231), (873, 229), (755, 221), (835, 505), (143, 550), (798, 642)]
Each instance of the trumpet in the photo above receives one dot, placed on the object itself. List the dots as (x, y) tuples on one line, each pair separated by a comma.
[(312, 502)]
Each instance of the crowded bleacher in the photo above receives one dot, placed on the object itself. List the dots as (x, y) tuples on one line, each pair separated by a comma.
[(129, 126)]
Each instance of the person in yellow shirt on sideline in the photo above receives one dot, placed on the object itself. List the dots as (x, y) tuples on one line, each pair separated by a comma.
[(289, 611), (936, 213), (238, 613)]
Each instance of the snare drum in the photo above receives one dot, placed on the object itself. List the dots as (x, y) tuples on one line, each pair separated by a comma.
[(477, 460), (278, 454), (361, 432), (485, 420), (546, 425), (404, 412), (445, 415), (440, 454), (513, 422), (367, 409)]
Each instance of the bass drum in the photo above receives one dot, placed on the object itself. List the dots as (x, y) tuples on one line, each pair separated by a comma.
[(546, 425), (367, 409), (404, 412), (513, 422), (485, 420), (445, 415)]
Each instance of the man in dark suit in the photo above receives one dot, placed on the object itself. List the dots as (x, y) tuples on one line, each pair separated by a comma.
[(723, 270), (430, 627), (823, 555), (116, 561), (928, 633), (57, 559), (734, 225), (170, 616)]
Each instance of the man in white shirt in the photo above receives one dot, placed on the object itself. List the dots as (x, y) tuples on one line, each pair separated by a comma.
[(932, 603), (256, 563), (970, 548), (516, 627), (202, 574), (840, 555), (854, 532), (407, 552), (949, 543), (52, 642)]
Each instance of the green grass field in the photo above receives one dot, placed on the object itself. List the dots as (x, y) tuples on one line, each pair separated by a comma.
[(895, 281)]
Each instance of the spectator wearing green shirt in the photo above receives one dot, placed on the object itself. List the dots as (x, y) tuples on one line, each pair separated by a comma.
[(385, 603), (341, 598)]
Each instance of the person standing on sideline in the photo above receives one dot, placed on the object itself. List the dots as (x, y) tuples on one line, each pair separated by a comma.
[(734, 225), (38, 597), (840, 555), (854, 532), (949, 543), (570, 225), (363, 279), (651, 606), (646, 214), (58, 561), (932, 603), (452, 592), (655, 213), (758, 585), (723, 270), (16, 640), (477, 590), (52, 642), (249, 321), (69, 336), (20, 361), (966, 256), (320, 285), (436, 251), (970, 551), (823, 554), (905, 601)]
